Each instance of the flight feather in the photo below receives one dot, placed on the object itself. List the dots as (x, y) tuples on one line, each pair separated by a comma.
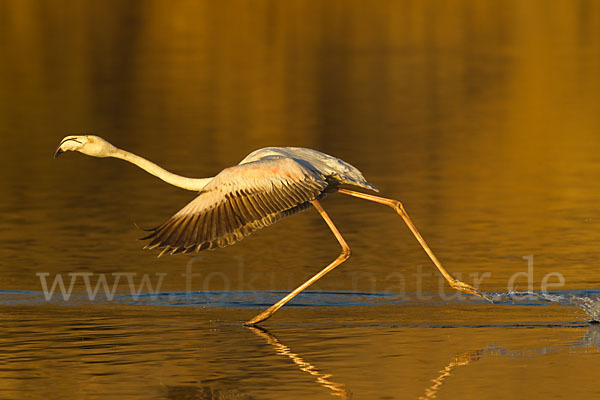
[(238, 201)]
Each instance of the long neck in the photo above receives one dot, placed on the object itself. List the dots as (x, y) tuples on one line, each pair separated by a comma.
[(169, 177)]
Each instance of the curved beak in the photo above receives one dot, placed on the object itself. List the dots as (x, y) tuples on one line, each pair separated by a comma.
[(60, 150)]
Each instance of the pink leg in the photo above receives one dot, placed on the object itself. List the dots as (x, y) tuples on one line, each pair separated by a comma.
[(340, 259), (396, 205)]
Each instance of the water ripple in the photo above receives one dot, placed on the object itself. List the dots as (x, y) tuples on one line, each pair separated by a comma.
[(586, 300)]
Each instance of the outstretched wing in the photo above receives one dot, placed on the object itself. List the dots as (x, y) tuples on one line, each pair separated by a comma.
[(238, 201)]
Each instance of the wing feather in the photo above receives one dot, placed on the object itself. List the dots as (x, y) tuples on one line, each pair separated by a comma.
[(237, 202)]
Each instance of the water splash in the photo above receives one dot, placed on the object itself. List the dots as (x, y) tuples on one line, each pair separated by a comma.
[(591, 307), (587, 301)]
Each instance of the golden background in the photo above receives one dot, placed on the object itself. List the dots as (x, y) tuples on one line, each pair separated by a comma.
[(483, 117)]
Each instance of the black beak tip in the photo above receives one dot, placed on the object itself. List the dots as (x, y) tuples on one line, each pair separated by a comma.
[(58, 152)]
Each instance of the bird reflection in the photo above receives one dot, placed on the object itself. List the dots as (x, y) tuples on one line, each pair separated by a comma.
[(337, 389), (460, 360), (203, 392), (591, 340)]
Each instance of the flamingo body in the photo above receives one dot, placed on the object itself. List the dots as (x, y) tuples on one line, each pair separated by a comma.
[(268, 185)]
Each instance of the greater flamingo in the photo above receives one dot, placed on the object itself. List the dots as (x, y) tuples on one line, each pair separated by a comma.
[(266, 186)]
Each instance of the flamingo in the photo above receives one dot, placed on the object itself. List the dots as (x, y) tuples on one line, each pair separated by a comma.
[(269, 184)]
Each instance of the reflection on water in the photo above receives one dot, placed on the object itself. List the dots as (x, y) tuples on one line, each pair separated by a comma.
[(202, 393), (482, 117), (458, 361), (321, 378), (589, 342), (193, 352), (156, 352)]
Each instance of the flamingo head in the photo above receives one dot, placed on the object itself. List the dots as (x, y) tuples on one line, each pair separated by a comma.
[(90, 145)]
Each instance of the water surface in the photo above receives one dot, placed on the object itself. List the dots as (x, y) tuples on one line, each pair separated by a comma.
[(482, 117)]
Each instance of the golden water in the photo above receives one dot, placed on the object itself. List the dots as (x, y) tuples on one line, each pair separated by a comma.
[(482, 117)]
